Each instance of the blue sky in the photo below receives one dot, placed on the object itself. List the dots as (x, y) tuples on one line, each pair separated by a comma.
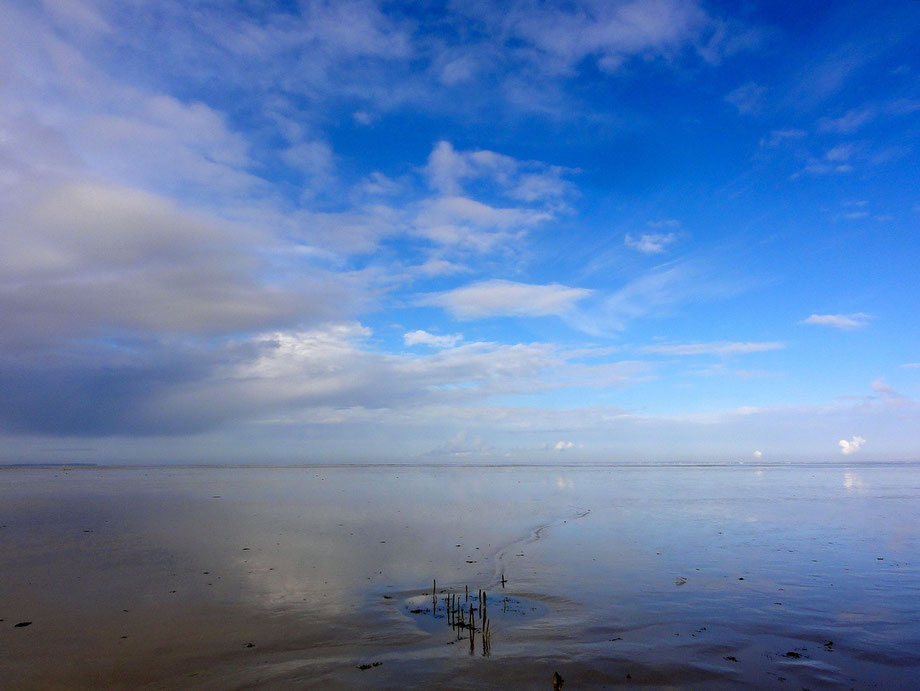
[(463, 231)]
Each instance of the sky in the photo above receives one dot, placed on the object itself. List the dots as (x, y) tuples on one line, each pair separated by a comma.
[(523, 232)]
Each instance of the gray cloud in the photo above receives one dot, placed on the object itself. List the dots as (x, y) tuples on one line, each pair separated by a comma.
[(86, 259), (150, 387)]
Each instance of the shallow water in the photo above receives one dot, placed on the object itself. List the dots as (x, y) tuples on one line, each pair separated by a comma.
[(664, 576)]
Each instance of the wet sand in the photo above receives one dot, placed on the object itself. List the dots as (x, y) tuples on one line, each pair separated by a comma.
[(702, 577)]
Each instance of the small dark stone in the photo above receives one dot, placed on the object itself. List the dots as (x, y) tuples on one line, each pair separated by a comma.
[(794, 655), (250, 645), (731, 658), (21, 624), (740, 578)]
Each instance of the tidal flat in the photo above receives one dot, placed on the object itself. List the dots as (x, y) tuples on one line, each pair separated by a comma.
[(706, 576)]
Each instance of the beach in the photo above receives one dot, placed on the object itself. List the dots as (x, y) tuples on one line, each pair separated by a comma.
[(702, 576)]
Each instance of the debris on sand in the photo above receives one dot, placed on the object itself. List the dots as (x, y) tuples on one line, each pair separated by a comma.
[(680, 580), (369, 665), (21, 624)]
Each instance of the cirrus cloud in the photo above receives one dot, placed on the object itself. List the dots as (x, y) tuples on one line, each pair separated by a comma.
[(723, 348), (844, 322)]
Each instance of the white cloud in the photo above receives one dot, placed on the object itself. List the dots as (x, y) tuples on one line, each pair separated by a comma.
[(844, 322), (422, 337), (499, 297), (856, 118), (850, 121), (650, 243), (379, 184), (911, 365), (463, 445), (841, 152), (747, 98), (655, 293), (778, 137), (722, 348), (837, 159), (608, 33), (471, 224), (758, 455), (440, 267), (315, 158), (852, 446), (563, 445), (449, 171), (889, 395)]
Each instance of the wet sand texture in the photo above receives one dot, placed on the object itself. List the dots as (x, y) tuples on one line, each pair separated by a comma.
[(452, 577)]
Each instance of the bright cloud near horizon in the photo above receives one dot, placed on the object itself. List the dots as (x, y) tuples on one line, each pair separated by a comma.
[(358, 231)]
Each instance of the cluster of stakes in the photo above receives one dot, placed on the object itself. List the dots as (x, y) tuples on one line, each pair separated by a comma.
[(461, 619)]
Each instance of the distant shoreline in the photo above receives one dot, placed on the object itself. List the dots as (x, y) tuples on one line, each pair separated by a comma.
[(292, 466)]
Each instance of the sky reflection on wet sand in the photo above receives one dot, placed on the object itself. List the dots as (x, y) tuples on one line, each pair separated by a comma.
[(702, 576)]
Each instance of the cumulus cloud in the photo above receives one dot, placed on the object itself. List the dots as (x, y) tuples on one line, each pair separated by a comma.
[(499, 297), (722, 348), (449, 171), (844, 322), (421, 337), (852, 446), (563, 445), (758, 455)]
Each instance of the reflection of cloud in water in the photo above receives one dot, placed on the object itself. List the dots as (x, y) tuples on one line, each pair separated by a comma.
[(564, 482), (852, 482)]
